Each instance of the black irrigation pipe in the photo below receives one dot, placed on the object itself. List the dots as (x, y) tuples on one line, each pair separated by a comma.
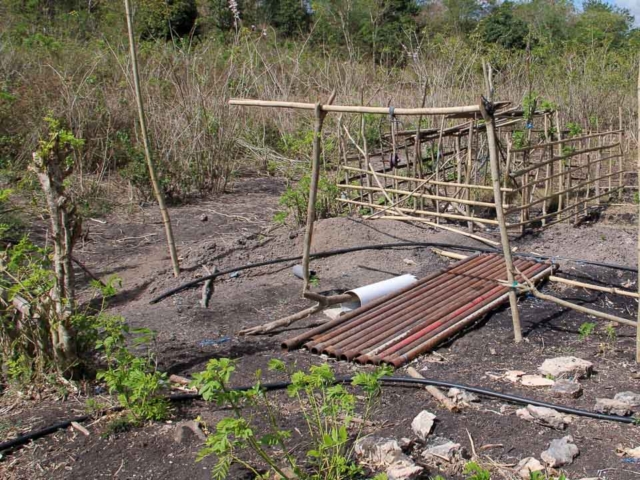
[(382, 246), (392, 381)]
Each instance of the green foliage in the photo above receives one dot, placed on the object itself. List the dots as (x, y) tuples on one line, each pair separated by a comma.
[(586, 330), (519, 139), (134, 379), (476, 472), (328, 408), (296, 199), (574, 129), (163, 19), (503, 27)]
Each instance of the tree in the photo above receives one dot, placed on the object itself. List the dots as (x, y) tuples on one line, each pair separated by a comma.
[(601, 24), (165, 18), (289, 17), (461, 16), (503, 27)]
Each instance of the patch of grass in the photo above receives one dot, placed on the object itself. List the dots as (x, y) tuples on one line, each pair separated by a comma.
[(586, 330)]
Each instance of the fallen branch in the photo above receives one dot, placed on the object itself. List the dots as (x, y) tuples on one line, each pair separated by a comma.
[(323, 302), (590, 286), (434, 392)]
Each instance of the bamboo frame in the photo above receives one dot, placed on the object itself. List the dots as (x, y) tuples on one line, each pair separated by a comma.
[(470, 109), (590, 286), (567, 140), (427, 213)]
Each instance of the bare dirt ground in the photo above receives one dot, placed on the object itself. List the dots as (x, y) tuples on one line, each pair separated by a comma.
[(238, 231)]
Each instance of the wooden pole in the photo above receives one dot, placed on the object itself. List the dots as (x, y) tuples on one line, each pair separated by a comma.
[(313, 194), (621, 162), (147, 149), (504, 236)]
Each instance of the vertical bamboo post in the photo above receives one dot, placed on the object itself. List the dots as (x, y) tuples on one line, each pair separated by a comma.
[(313, 194), (549, 170), (621, 161), (365, 148), (561, 181), (504, 237), (166, 220), (620, 140), (342, 155), (469, 171)]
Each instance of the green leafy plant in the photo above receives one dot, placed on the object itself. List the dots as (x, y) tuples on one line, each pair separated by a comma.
[(519, 138), (574, 129), (586, 330), (327, 406), (296, 199), (476, 472), (135, 380)]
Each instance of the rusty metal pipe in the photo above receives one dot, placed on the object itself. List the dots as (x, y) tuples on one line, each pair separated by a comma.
[(419, 335), (429, 344), (487, 303), (425, 311), (440, 311), (297, 341), (436, 317), (389, 303), (406, 309)]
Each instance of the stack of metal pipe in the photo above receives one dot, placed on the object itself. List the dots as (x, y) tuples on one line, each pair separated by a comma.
[(399, 327)]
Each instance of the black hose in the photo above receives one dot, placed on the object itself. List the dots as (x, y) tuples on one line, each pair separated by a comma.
[(382, 246), (270, 387), (313, 256)]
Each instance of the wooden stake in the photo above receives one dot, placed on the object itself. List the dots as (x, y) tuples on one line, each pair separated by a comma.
[(147, 149), (504, 236), (434, 392), (621, 183)]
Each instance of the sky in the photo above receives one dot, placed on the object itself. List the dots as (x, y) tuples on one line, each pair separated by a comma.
[(632, 5)]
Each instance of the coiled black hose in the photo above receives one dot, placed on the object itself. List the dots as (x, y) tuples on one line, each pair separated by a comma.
[(382, 246), (391, 381)]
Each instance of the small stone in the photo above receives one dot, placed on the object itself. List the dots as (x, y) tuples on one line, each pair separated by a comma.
[(566, 367), (423, 424), (183, 428), (632, 452), (536, 381), (379, 451), (547, 417), (527, 466), (204, 217), (442, 449), (630, 398), (459, 395), (293, 235), (612, 407), (404, 472), (561, 452), (566, 388)]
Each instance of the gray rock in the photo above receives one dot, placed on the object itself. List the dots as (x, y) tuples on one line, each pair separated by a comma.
[(612, 407), (423, 424), (547, 417), (404, 472), (528, 465), (566, 367), (204, 217), (183, 428), (459, 395), (442, 449), (561, 452), (379, 451), (566, 388), (630, 398)]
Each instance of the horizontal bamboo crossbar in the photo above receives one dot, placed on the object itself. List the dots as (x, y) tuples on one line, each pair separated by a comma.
[(357, 108), (451, 216), (563, 141), (590, 286), (562, 157), (558, 212), (567, 190), (430, 182), (570, 171), (439, 225), (414, 194)]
